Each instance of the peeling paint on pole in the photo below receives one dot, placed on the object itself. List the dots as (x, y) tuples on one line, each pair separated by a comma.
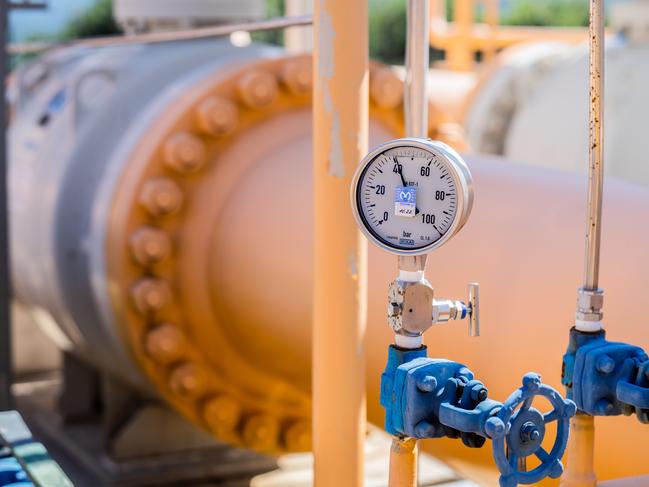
[(326, 67)]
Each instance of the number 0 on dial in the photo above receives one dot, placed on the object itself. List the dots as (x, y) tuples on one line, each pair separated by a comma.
[(409, 196)]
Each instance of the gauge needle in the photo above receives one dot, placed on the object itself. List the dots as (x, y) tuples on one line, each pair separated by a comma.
[(403, 180)]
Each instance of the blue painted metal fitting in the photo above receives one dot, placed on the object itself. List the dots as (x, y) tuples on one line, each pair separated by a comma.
[(606, 378), (434, 398), (396, 357)]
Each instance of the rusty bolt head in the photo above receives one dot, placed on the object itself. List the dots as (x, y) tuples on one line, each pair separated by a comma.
[(260, 432), (297, 76), (386, 90), (298, 436), (184, 152), (217, 116), (188, 380), (165, 343), (161, 196), (222, 413), (258, 89), (150, 295), (150, 245)]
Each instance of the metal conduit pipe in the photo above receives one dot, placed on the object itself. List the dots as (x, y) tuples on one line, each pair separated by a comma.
[(152, 243)]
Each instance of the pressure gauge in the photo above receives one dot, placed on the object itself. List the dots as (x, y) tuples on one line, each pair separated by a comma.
[(410, 195)]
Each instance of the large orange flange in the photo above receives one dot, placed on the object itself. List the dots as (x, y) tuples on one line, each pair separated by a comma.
[(163, 224)]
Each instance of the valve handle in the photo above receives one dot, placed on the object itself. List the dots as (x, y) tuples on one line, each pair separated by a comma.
[(473, 309), (520, 432)]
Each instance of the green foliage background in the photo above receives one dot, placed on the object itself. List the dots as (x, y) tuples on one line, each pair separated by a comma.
[(548, 13), (96, 21), (388, 22)]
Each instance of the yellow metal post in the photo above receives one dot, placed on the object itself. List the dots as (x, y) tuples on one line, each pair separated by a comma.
[(460, 51), (580, 470), (492, 18), (340, 119), (403, 462)]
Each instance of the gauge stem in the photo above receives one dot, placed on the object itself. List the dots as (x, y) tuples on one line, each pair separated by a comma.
[(417, 45), (415, 96)]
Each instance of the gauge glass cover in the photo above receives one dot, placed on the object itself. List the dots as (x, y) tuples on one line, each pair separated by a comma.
[(410, 195)]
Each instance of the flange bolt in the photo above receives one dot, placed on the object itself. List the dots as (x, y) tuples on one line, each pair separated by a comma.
[(258, 89), (217, 116), (184, 152), (165, 343), (161, 196), (222, 413)]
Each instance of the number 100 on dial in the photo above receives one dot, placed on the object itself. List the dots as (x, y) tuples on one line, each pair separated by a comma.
[(409, 196)]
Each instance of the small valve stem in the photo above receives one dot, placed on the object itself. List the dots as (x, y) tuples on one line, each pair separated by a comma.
[(447, 309)]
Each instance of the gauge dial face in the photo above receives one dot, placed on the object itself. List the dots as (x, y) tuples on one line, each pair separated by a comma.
[(409, 197)]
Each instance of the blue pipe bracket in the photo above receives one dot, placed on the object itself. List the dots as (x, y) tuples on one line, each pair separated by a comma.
[(434, 398), (606, 378)]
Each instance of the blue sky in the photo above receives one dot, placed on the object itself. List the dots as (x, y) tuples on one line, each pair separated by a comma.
[(25, 24)]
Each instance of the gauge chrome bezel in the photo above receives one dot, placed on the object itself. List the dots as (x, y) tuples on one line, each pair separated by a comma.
[(461, 178)]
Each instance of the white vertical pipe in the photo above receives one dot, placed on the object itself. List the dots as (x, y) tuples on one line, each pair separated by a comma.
[(416, 97)]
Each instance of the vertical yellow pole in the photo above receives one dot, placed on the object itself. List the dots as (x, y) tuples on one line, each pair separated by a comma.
[(340, 118), (491, 19), (460, 51), (580, 470), (403, 462)]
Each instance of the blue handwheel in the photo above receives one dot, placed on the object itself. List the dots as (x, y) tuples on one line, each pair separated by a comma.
[(518, 432)]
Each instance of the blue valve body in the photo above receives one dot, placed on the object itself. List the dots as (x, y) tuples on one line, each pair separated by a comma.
[(409, 388), (433, 398), (606, 378)]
